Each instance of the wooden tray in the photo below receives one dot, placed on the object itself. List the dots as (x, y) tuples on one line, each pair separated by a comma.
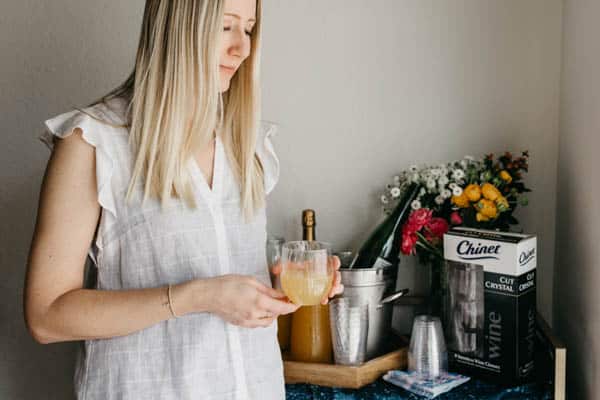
[(332, 375)]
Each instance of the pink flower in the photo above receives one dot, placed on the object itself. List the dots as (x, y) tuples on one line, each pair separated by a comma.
[(419, 218), (455, 218), (409, 240), (437, 227)]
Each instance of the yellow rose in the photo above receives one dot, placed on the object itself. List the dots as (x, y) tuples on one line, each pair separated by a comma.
[(502, 204), (473, 192), (505, 176), (487, 208), (490, 191), (481, 218), (461, 201)]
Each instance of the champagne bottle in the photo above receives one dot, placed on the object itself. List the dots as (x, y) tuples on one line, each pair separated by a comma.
[(310, 339), (382, 248)]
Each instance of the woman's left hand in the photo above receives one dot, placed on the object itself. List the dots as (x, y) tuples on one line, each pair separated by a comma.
[(337, 287)]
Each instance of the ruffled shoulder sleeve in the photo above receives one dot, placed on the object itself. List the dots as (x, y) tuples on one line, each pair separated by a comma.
[(266, 154), (63, 125)]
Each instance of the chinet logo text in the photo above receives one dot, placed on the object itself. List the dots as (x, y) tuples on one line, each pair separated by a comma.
[(469, 251)]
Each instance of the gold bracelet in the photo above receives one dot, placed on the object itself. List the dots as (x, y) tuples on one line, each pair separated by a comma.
[(171, 303)]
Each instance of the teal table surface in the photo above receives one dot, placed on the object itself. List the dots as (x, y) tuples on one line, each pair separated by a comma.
[(381, 390)]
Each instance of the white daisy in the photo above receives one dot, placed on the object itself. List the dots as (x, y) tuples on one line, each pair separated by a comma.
[(443, 181), (384, 199), (415, 205), (413, 168), (439, 200), (395, 192), (458, 174), (431, 183), (446, 194)]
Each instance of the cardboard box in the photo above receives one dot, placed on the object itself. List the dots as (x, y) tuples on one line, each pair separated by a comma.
[(490, 308)]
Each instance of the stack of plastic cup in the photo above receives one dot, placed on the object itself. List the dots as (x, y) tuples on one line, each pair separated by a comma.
[(349, 330)]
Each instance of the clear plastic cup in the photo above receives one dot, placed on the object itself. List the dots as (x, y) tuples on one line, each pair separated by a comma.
[(349, 330), (427, 355)]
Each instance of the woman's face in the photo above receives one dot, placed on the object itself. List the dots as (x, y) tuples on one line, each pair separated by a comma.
[(238, 23)]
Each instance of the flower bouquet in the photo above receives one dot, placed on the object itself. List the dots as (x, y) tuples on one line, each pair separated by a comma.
[(481, 193)]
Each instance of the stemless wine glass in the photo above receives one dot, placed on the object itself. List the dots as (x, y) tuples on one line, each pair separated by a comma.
[(274, 244), (427, 355), (284, 322), (345, 256), (307, 273)]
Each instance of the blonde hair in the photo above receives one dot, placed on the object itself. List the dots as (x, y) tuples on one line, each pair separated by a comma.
[(174, 104)]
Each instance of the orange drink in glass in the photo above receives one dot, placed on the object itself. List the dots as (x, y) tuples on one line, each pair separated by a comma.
[(307, 271)]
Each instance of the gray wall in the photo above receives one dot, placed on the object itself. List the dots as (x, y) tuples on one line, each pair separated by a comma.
[(361, 90), (576, 295)]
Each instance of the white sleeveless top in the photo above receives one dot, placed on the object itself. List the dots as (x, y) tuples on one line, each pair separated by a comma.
[(197, 356)]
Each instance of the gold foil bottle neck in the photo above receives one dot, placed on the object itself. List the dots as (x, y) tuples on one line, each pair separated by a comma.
[(308, 225), (308, 218)]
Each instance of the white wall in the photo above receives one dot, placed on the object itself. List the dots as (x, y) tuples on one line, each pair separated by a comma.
[(576, 295), (361, 89), (364, 89)]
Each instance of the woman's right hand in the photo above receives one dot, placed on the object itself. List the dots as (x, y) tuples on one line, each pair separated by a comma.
[(245, 301)]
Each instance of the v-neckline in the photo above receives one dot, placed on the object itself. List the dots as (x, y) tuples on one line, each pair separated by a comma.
[(202, 183)]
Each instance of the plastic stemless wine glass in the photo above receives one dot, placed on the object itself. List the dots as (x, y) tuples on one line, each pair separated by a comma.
[(427, 355), (284, 321), (307, 273), (274, 244)]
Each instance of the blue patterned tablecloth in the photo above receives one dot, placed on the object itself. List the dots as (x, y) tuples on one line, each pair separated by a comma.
[(381, 390)]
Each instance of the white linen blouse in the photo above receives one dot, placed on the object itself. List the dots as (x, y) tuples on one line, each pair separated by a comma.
[(197, 356)]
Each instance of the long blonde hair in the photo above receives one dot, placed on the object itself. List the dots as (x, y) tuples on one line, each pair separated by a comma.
[(174, 104)]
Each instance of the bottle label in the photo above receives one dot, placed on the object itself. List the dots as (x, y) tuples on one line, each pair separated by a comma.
[(381, 263)]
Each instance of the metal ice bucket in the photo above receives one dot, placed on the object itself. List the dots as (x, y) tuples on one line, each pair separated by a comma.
[(371, 286)]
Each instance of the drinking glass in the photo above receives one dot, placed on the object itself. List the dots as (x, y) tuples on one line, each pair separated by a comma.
[(346, 257), (284, 322), (349, 321), (427, 355), (274, 244), (307, 273), (465, 313)]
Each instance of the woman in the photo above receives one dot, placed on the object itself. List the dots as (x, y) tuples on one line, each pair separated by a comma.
[(163, 183)]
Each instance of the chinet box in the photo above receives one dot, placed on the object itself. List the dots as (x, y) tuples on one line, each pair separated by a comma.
[(490, 306)]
